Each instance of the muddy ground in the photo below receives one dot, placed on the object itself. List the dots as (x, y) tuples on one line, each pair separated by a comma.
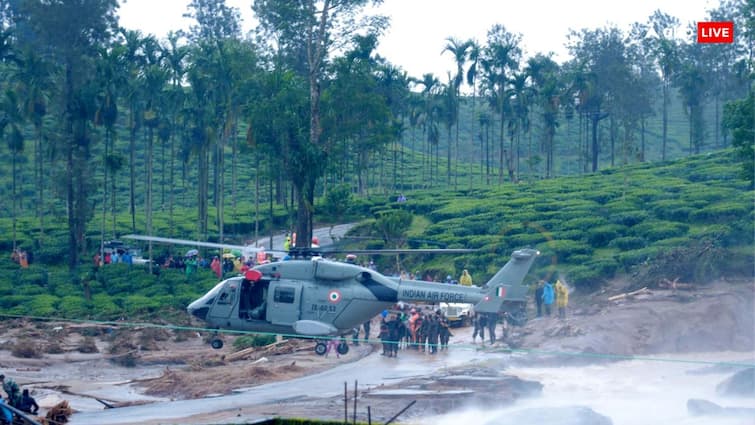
[(122, 366)]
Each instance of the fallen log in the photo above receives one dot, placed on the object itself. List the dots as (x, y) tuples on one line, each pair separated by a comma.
[(241, 354), (618, 297)]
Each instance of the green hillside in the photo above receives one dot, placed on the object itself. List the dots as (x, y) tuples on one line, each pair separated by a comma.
[(690, 219)]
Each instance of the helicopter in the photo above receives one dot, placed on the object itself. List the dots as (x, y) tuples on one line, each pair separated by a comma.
[(313, 297)]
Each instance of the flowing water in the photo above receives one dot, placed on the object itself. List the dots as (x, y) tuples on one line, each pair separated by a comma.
[(632, 392)]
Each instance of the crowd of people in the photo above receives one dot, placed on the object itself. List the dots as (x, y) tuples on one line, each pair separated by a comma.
[(21, 400), (420, 331)]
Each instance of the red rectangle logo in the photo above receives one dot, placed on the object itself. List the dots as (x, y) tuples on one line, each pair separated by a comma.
[(715, 32)]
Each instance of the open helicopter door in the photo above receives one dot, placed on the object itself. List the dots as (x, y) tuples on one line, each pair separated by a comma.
[(226, 300), (284, 302)]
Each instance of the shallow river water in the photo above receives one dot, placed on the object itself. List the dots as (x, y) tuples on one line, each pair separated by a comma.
[(636, 392)]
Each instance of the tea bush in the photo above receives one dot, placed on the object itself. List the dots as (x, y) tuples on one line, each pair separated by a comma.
[(602, 235), (627, 243), (654, 230)]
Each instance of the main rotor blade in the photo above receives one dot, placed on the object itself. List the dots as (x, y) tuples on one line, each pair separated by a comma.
[(186, 242), (400, 251)]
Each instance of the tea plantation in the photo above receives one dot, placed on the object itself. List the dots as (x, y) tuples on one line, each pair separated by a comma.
[(690, 220)]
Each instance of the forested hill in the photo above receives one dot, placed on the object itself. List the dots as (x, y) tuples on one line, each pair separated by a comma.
[(689, 219)]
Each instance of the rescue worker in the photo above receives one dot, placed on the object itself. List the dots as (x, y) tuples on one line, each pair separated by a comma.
[(480, 322), (385, 336), (433, 332), (287, 243), (492, 321), (422, 331), (562, 298), (395, 331), (444, 332), (465, 279)]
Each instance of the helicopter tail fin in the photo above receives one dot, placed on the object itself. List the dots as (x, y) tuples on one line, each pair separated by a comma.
[(506, 285)]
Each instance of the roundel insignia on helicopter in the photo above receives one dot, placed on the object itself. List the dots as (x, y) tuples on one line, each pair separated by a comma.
[(334, 296)]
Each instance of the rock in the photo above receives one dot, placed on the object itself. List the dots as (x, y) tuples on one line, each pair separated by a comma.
[(570, 415), (741, 383), (699, 407)]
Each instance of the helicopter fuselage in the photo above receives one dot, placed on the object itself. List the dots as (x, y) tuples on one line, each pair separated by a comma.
[(319, 297)]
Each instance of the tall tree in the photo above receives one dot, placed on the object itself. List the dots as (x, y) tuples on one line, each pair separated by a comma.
[(460, 51), (472, 74), (217, 30), (70, 32), (662, 42), (12, 117), (175, 55), (311, 30), (500, 58), (544, 72), (34, 84), (690, 79)]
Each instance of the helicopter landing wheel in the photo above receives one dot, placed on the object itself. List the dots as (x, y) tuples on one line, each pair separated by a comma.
[(216, 343), (343, 348), (321, 349)]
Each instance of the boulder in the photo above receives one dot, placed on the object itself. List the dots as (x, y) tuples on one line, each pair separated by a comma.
[(700, 407), (569, 415), (740, 384)]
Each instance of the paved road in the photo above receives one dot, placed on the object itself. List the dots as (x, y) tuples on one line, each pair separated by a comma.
[(322, 233)]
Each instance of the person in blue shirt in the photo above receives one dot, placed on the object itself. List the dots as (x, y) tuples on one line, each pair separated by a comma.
[(549, 296)]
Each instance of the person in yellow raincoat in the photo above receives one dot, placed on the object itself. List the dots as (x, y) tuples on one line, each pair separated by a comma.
[(465, 279), (562, 298)]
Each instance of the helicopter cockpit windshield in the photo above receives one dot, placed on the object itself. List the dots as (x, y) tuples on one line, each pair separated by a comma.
[(201, 306)]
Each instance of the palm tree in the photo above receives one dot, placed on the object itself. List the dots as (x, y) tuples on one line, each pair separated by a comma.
[(11, 115), (175, 56), (460, 51), (34, 81), (665, 51), (133, 60), (155, 77), (474, 61), (109, 66), (520, 93), (501, 56), (544, 72), (431, 85)]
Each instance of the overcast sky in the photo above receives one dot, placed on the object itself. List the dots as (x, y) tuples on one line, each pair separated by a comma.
[(419, 28)]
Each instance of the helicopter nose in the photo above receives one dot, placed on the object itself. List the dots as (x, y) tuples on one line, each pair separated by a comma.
[(198, 309), (199, 313)]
